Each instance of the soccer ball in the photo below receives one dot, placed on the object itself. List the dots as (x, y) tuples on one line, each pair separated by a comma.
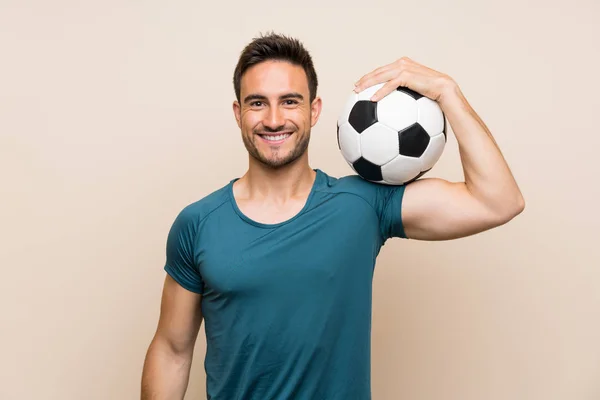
[(393, 141)]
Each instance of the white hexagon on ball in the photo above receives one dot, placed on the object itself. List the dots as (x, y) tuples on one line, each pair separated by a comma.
[(397, 110), (345, 113), (379, 144), (433, 152), (430, 116), (401, 170), (349, 142)]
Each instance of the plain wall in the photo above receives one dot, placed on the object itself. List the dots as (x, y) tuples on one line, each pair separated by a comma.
[(114, 115)]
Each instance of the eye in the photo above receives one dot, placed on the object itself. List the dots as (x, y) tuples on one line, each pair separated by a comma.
[(256, 104), (291, 102)]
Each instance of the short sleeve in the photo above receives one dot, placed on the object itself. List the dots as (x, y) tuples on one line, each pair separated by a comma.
[(180, 264), (388, 205)]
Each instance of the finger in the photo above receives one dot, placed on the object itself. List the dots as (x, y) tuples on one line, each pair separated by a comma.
[(386, 89), (371, 74), (390, 86), (381, 77), (374, 72)]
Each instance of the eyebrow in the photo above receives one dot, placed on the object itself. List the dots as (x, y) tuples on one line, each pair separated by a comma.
[(293, 95)]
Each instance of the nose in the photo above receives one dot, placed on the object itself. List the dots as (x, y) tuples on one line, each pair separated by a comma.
[(274, 119)]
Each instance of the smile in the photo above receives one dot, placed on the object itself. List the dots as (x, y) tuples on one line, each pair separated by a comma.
[(275, 138)]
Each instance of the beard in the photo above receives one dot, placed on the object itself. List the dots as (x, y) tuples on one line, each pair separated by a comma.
[(277, 160)]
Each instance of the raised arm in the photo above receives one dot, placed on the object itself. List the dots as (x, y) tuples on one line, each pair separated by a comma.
[(167, 365), (435, 209)]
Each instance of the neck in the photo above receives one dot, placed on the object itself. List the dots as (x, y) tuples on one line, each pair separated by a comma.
[(276, 184)]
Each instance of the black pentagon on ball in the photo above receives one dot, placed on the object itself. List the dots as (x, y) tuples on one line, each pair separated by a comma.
[(409, 92), (444, 130), (413, 140), (368, 170), (338, 136), (363, 115)]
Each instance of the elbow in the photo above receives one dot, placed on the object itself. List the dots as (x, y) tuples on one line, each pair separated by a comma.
[(520, 204), (511, 209), (172, 348)]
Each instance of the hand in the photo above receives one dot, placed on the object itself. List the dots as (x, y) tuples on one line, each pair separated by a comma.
[(407, 73)]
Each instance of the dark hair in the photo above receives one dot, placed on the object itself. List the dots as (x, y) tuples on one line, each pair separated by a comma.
[(274, 46)]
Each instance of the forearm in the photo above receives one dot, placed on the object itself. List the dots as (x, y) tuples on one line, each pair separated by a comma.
[(487, 175), (166, 374)]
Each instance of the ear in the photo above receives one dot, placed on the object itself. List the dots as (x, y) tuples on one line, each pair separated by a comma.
[(315, 110), (237, 109)]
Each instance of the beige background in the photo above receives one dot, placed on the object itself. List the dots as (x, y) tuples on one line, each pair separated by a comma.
[(116, 114)]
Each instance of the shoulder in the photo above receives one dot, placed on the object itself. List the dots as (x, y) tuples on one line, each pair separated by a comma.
[(347, 183), (358, 186), (380, 197), (197, 211)]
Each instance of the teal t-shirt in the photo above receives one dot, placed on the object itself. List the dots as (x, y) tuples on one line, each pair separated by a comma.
[(287, 306)]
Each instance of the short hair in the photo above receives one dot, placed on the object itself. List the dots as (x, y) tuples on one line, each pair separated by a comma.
[(273, 46)]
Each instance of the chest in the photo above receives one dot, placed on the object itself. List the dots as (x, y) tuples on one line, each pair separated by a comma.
[(321, 249)]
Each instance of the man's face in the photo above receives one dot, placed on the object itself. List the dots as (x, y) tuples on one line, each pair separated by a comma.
[(275, 114)]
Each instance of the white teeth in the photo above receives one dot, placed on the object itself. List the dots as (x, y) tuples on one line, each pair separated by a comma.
[(278, 137)]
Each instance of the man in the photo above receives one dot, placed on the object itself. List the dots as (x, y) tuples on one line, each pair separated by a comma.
[(280, 262)]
